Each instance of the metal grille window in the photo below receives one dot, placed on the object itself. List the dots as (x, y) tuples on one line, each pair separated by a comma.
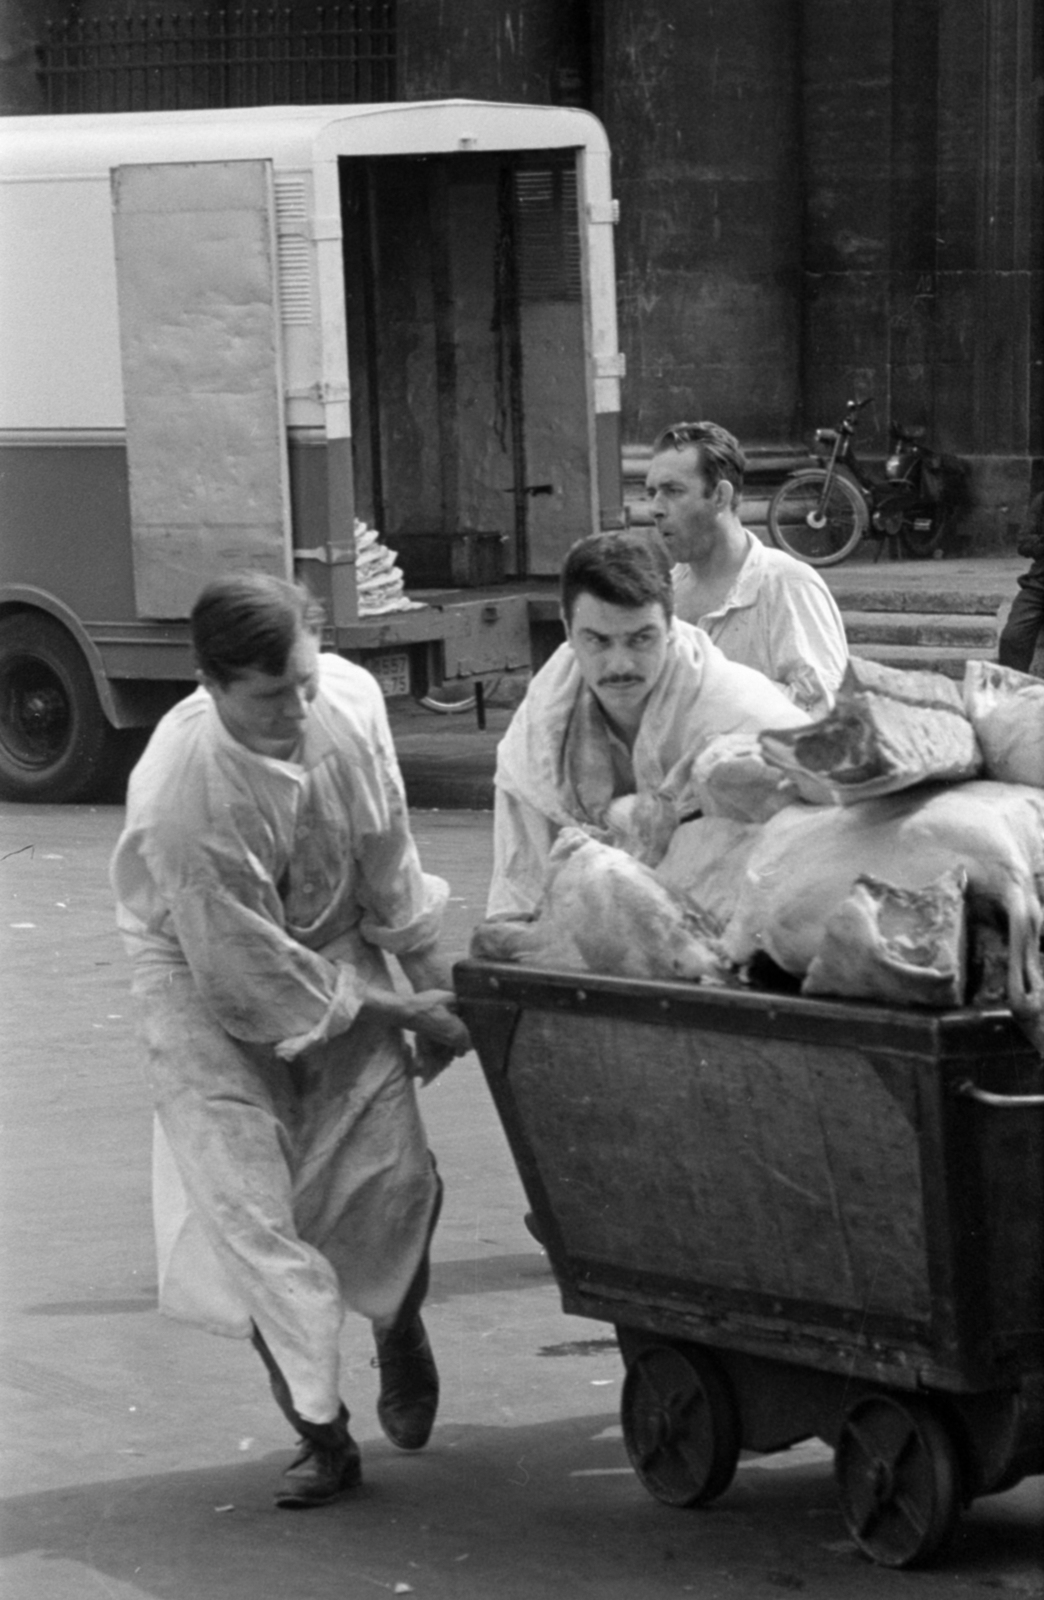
[(280, 55), (548, 234)]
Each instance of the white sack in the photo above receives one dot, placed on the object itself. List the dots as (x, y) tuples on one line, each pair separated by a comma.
[(1006, 709)]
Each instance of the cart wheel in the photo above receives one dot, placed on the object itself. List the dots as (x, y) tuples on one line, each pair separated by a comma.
[(898, 1479), (680, 1425)]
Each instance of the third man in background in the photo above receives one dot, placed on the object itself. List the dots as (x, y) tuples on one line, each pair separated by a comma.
[(760, 606)]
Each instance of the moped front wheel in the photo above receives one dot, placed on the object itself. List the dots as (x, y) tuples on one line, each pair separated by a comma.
[(817, 521)]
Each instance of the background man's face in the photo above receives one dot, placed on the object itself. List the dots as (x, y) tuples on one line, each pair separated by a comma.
[(684, 510), (266, 711), (620, 651)]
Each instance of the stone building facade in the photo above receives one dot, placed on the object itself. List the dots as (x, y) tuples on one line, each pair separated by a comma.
[(819, 199)]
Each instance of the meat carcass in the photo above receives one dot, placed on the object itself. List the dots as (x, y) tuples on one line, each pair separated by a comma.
[(807, 858), (642, 825), (732, 778), (905, 945), (612, 910), (889, 730), (534, 941)]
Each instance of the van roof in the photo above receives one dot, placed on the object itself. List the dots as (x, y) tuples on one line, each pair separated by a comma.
[(289, 135)]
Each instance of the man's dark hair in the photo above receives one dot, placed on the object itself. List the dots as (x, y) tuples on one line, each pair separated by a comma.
[(718, 452), (623, 569), (250, 621)]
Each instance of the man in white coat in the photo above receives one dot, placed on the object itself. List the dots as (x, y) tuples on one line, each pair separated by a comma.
[(759, 605), (623, 707), (265, 869)]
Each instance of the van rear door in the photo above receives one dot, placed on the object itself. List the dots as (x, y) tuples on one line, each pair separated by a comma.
[(202, 376)]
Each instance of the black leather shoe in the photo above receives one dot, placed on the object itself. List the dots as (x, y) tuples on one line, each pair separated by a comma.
[(329, 1465), (409, 1395)]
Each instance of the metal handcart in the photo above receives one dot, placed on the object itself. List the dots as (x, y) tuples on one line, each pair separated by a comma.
[(803, 1217)]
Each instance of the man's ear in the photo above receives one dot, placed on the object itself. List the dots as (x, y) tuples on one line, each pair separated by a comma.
[(724, 494)]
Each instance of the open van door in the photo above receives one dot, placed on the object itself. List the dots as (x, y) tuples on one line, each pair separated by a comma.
[(202, 374), (469, 331)]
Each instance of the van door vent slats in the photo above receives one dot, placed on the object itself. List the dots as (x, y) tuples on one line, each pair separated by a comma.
[(548, 234), (294, 251)]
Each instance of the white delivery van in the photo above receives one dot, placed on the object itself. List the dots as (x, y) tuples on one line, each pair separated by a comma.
[(229, 338)]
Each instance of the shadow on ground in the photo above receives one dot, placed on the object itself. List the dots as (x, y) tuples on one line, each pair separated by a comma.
[(484, 1511)]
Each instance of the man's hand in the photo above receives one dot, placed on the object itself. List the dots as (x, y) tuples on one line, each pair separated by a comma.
[(429, 1059), (431, 1015), (439, 1033)]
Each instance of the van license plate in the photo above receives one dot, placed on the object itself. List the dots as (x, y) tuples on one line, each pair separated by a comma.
[(392, 672)]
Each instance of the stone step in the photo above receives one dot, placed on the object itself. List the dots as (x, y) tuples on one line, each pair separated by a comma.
[(924, 658), (918, 595), (959, 631)]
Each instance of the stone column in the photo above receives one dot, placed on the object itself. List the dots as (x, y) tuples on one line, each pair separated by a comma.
[(701, 105)]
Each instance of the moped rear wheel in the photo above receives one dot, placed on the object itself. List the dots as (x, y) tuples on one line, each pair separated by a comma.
[(817, 522)]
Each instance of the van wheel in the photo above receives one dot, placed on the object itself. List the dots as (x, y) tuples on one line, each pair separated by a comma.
[(55, 741)]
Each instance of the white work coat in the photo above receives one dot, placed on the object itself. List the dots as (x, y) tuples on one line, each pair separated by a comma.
[(256, 897), (698, 696), (780, 618)]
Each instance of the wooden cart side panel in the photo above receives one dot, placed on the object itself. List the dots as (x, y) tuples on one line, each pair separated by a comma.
[(751, 1165), (897, 1225)]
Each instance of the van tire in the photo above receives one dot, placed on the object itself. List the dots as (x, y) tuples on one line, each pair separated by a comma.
[(55, 740)]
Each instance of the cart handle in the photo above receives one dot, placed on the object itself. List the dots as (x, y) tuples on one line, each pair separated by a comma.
[(966, 1087)]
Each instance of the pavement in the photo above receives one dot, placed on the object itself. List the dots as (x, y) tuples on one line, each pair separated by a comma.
[(138, 1457), (448, 760)]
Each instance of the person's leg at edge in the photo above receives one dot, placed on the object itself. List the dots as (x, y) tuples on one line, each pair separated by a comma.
[(1018, 640), (409, 1397), (328, 1463)]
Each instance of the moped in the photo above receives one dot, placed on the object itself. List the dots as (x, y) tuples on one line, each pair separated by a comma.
[(822, 514)]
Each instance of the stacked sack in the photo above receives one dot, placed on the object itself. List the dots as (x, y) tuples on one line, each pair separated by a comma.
[(379, 581)]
